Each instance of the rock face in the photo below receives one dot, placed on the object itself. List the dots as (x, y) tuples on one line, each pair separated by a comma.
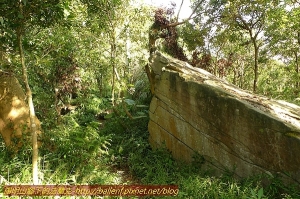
[(14, 112), (194, 112)]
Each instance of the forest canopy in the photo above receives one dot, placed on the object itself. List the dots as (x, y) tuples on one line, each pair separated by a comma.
[(254, 45)]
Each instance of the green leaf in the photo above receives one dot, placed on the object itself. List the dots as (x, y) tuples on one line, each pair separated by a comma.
[(138, 117), (20, 16), (142, 106), (253, 192), (79, 139), (260, 193), (120, 149), (129, 102), (108, 116), (141, 113)]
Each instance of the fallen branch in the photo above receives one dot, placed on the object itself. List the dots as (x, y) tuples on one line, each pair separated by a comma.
[(125, 109)]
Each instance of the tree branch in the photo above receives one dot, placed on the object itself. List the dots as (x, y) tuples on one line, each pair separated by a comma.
[(244, 24), (259, 30), (189, 18), (179, 10)]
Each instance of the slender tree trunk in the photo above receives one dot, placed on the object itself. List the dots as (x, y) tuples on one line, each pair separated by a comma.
[(256, 49), (241, 74), (31, 113), (113, 63), (297, 68), (235, 73), (128, 45), (100, 84)]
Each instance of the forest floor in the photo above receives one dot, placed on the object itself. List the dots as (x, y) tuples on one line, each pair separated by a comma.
[(117, 151)]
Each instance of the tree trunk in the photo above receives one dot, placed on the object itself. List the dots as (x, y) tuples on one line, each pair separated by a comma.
[(241, 75), (128, 45), (235, 74), (113, 63), (100, 84), (151, 78), (256, 48), (297, 68), (31, 113)]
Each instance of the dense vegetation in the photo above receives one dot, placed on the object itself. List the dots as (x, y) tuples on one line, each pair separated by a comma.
[(84, 61)]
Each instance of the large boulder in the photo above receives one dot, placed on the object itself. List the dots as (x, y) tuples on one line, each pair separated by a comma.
[(194, 112), (14, 112)]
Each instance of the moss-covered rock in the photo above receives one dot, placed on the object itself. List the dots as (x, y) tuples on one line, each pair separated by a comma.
[(14, 112), (193, 111)]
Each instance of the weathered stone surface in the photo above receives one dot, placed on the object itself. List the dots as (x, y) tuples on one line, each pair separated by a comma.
[(14, 112), (195, 112)]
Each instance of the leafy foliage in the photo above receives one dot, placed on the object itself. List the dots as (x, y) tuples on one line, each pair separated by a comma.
[(37, 12), (162, 28), (192, 35)]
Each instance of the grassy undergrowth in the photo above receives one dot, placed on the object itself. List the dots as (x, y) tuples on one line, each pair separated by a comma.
[(82, 150), (158, 167)]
